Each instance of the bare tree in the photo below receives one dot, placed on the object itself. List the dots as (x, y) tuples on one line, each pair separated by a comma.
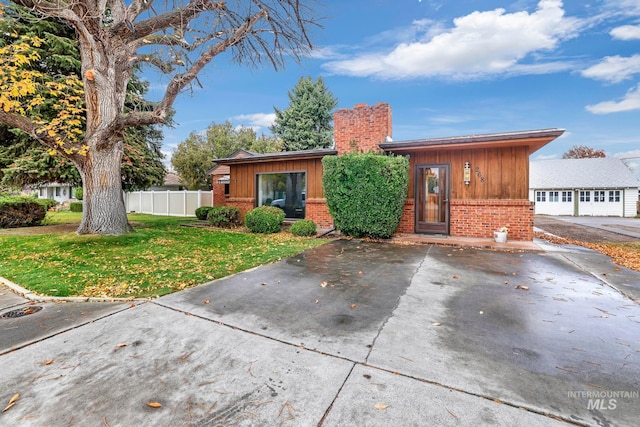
[(178, 38), (583, 152)]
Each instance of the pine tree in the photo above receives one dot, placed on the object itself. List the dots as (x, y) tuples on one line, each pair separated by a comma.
[(306, 123)]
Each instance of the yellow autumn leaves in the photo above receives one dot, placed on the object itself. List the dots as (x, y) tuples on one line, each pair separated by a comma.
[(55, 102)]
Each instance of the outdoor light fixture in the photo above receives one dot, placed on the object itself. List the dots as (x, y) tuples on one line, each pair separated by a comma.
[(467, 173)]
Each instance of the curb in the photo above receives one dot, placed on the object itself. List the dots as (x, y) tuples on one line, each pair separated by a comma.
[(25, 293)]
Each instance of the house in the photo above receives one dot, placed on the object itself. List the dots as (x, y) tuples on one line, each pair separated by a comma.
[(458, 186), (583, 187), (171, 183), (61, 193), (221, 179)]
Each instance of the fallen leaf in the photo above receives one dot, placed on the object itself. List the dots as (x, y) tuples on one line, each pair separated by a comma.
[(324, 284), (456, 277), (381, 406), (524, 288), (206, 301), (353, 306), (481, 312), (316, 301), (121, 345), (263, 284), (154, 404), (12, 402), (436, 324), (360, 272), (49, 362)]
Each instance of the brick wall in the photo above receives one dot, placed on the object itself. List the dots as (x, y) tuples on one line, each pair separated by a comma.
[(219, 198), (318, 211), (245, 204), (407, 222), (362, 128), (479, 218)]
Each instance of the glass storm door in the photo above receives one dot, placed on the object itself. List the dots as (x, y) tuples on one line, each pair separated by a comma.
[(432, 198)]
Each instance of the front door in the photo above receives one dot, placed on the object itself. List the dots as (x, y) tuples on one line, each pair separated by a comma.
[(432, 198)]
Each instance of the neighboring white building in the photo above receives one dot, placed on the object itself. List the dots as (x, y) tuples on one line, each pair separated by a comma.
[(58, 192), (583, 187)]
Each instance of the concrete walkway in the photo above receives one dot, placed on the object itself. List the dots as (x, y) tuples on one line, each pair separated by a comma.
[(350, 333)]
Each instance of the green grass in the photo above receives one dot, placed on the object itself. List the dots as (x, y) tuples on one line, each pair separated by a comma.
[(160, 257)]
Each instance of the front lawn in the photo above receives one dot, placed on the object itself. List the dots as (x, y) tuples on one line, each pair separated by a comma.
[(160, 257)]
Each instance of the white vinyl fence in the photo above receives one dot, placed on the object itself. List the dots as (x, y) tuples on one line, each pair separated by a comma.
[(170, 203)]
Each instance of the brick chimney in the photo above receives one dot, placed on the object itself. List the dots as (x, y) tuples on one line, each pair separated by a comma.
[(362, 128)]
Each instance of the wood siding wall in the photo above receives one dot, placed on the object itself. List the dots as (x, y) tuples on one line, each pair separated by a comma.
[(243, 176), (502, 173)]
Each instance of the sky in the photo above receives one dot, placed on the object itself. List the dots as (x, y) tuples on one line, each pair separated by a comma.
[(453, 68)]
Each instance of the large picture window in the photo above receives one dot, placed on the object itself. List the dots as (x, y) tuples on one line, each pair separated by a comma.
[(287, 191)]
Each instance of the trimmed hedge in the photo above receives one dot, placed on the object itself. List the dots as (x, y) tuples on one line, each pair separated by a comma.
[(47, 203), (366, 192), (75, 206), (16, 211), (203, 212), (224, 216), (304, 227), (264, 219), (78, 193)]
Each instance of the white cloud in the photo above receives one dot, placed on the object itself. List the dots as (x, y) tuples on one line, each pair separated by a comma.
[(626, 32), (547, 157), (630, 102), (614, 69), (257, 120), (479, 44)]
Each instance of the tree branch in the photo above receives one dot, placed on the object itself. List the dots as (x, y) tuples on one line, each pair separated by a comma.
[(31, 128)]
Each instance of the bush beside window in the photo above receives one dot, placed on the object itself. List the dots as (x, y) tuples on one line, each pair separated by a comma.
[(304, 227), (203, 212), (224, 216), (366, 192), (264, 219), (75, 206)]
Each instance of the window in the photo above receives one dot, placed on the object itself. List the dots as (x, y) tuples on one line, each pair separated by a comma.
[(57, 191), (553, 196), (614, 195), (598, 196), (566, 196), (226, 189), (43, 192), (284, 190), (541, 196), (585, 196)]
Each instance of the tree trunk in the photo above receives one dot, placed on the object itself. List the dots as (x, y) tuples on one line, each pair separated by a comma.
[(103, 210)]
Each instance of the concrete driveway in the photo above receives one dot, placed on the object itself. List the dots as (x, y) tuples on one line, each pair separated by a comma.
[(350, 333)]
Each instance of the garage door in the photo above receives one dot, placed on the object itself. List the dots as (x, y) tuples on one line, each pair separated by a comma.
[(600, 203)]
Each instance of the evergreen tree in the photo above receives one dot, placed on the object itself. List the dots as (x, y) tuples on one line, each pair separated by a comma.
[(306, 123), (25, 161)]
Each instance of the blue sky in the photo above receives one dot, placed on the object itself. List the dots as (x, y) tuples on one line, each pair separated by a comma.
[(451, 68)]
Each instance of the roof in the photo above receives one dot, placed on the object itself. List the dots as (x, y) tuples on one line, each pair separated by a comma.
[(534, 138), (172, 179), (220, 169), (284, 155), (606, 172)]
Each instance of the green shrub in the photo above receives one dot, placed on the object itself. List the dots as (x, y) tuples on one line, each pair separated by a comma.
[(202, 212), (78, 193), (264, 219), (304, 227), (366, 192), (17, 211), (224, 216), (75, 206), (47, 203)]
